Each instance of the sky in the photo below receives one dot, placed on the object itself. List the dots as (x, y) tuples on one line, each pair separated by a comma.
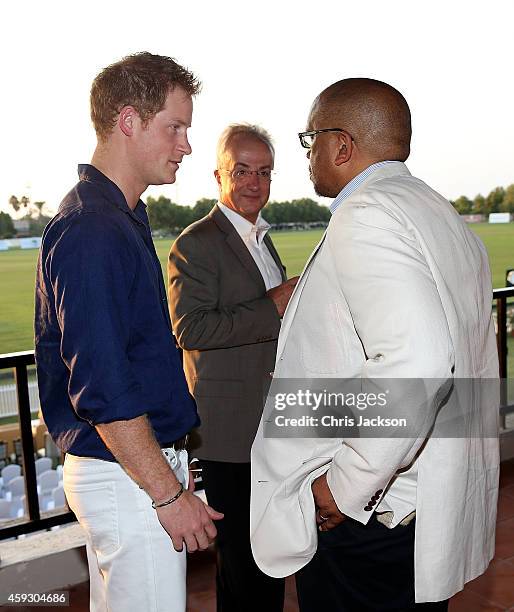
[(261, 62)]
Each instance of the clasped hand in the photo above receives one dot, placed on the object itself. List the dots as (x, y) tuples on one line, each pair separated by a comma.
[(189, 520), (328, 514)]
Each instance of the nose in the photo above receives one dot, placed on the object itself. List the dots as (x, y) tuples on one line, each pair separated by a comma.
[(308, 154), (253, 181), (184, 146)]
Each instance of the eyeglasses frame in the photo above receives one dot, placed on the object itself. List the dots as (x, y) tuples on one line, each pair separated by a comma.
[(250, 173), (302, 135)]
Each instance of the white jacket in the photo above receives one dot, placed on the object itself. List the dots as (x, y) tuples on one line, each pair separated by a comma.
[(398, 288)]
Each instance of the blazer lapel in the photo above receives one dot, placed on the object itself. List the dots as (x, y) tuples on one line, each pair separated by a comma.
[(294, 299), (273, 252), (238, 246)]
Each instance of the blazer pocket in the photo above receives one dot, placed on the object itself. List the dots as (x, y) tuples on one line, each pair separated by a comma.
[(324, 351), (208, 387)]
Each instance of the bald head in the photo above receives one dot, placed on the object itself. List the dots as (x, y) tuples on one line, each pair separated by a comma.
[(374, 113)]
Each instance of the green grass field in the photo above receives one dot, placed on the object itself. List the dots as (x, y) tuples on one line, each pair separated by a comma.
[(17, 277)]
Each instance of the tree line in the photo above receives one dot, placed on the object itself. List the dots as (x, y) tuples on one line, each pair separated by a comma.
[(499, 199), (33, 214), (168, 217)]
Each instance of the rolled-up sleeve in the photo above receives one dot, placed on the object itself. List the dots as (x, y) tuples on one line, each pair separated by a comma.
[(91, 271)]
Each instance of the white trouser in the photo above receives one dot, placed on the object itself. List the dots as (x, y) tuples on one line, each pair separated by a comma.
[(132, 563)]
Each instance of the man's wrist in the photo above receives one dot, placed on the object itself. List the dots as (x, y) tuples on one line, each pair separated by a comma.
[(175, 491), (161, 489), (170, 500)]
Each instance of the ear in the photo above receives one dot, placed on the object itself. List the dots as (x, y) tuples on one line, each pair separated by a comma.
[(345, 148), (217, 176), (127, 119)]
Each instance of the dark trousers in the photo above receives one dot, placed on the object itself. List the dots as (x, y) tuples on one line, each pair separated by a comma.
[(362, 568), (240, 585)]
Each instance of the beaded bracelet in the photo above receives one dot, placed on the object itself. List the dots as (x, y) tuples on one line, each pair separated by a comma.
[(170, 500)]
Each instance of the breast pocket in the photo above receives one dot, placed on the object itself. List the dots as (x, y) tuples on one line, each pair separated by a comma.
[(96, 508)]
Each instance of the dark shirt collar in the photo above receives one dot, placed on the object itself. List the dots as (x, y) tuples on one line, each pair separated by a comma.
[(90, 174)]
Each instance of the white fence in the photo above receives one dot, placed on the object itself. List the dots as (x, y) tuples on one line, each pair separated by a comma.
[(20, 243), (9, 403)]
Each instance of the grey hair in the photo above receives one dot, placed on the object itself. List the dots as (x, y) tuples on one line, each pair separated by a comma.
[(242, 128)]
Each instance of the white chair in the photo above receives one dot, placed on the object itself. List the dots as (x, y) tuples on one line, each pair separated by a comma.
[(16, 487), (9, 472), (47, 481), (43, 465), (18, 506), (59, 497), (44, 504), (5, 510), (59, 469)]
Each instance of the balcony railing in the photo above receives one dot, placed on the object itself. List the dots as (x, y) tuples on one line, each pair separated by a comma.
[(19, 362)]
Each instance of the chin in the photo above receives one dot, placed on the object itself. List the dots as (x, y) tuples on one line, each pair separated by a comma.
[(322, 191), (169, 180)]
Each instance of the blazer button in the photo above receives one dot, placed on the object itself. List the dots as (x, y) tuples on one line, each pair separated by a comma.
[(379, 492), (368, 508)]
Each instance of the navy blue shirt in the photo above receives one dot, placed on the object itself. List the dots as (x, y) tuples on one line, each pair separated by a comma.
[(104, 347)]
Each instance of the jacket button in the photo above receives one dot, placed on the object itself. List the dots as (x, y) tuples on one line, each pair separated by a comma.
[(368, 508), (379, 492)]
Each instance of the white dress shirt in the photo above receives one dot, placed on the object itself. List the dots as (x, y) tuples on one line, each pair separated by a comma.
[(253, 237)]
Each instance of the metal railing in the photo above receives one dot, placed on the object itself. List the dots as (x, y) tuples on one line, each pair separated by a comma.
[(501, 296), (19, 362)]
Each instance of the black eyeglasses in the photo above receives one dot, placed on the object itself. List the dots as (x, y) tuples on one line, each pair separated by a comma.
[(307, 138)]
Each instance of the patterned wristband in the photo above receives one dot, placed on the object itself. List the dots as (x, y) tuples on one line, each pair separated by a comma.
[(170, 500)]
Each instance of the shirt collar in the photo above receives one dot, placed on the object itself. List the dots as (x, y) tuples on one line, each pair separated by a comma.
[(90, 174), (355, 183), (244, 227)]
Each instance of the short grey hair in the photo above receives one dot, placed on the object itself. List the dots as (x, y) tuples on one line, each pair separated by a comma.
[(242, 128)]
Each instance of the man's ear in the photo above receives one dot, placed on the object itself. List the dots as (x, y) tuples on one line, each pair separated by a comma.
[(217, 176), (345, 148), (127, 119)]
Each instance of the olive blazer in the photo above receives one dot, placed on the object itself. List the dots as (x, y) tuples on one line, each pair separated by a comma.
[(227, 328)]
